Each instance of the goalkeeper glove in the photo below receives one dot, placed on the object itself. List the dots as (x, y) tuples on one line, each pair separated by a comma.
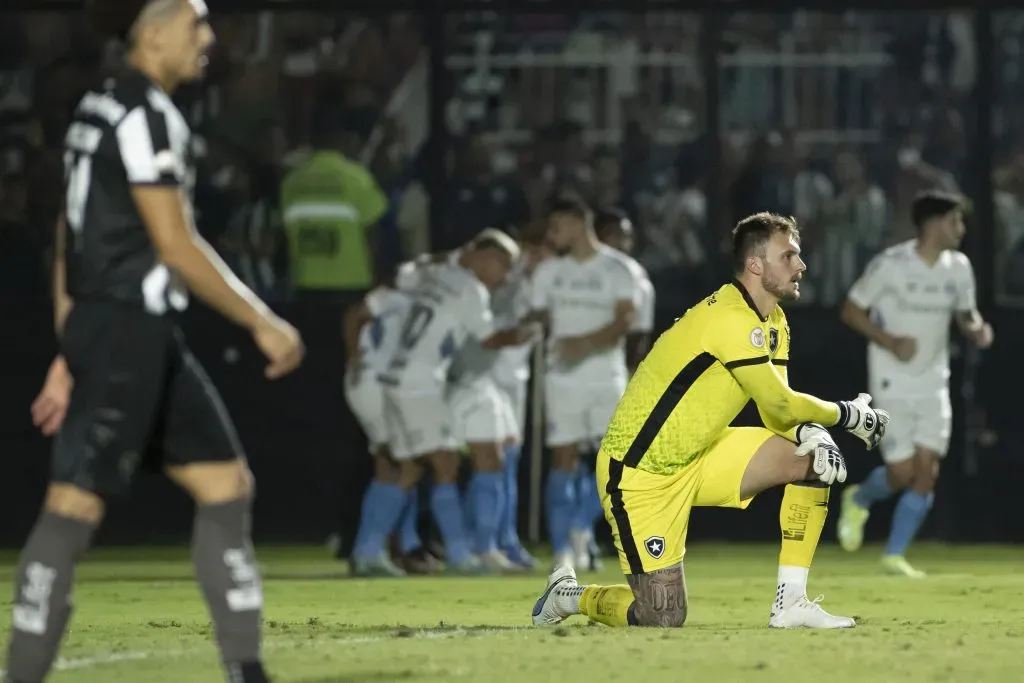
[(828, 462), (863, 421)]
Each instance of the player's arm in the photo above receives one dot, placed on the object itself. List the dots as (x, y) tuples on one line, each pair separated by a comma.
[(781, 365), (638, 342), (51, 405), (968, 319), (627, 288), (168, 219), (156, 176), (742, 352), (736, 346), (865, 292), (513, 336), (613, 332), (62, 302), (353, 320), (540, 296), (637, 345)]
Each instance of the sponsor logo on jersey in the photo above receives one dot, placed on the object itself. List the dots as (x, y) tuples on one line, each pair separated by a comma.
[(757, 338)]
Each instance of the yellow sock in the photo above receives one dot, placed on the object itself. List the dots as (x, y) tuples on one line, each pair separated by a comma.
[(608, 605), (802, 517)]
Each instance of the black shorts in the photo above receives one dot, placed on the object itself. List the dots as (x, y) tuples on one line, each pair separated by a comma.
[(140, 400)]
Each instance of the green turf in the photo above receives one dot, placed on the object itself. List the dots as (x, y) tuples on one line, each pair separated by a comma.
[(964, 623)]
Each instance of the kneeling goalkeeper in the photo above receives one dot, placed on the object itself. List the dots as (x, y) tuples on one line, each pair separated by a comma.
[(669, 446)]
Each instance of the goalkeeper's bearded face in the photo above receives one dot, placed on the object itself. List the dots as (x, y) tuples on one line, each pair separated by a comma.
[(783, 267)]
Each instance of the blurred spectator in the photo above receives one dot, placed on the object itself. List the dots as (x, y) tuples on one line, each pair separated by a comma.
[(853, 228), (22, 271), (253, 239), (478, 197), (1009, 206), (914, 175), (561, 163), (331, 204), (755, 188)]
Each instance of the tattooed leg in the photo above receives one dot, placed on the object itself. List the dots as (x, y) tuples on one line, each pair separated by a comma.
[(659, 598)]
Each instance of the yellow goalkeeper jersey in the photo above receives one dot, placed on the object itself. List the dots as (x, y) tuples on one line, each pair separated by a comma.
[(698, 377)]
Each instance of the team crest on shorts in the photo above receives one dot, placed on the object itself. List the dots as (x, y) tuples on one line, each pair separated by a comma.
[(655, 546), (757, 338)]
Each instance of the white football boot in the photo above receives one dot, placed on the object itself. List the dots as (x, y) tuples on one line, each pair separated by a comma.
[(560, 600), (498, 563), (804, 613)]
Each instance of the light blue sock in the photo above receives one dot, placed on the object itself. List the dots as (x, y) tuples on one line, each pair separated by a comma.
[(446, 506), (907, 519), (488, 492), (468, 511), (588, 502), (408, 527), (382, 506), (874, 488), (561, 500), (508, 532)]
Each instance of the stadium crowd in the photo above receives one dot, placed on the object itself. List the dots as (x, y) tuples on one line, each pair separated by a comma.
[(606, 106)]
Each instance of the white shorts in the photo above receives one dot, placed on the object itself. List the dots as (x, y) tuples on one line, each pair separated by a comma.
[(578, 414), (483, 414), (925, 421), (418, 424), (365, 398), (514, 394)]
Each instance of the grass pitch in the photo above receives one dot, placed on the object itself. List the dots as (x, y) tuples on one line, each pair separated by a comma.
[(139, 618)]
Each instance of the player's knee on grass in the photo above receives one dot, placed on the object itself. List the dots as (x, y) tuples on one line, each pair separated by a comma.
[(926, 471), (445, 465), (486, 457), (215, 482), (68, 500), (565, 458), (900, 475), (659, 598)]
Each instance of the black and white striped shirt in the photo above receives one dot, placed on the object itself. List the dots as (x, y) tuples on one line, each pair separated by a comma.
[(125, 132)]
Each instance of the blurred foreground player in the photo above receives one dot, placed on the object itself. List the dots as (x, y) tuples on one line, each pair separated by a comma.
[(903, 304), (139, 397), (669, 446)]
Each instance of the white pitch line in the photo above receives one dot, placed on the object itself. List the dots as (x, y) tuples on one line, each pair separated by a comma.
[(136, 655)]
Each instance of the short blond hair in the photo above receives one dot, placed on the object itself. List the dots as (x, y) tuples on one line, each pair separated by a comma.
[(492, 238)]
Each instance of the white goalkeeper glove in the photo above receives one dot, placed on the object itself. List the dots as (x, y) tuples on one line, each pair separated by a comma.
[(863, 421), (828, 464)]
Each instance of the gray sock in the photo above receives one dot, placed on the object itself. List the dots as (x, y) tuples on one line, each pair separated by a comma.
[(226, 569), (42, 594)]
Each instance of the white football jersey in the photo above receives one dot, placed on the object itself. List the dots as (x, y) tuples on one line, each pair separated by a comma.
[(907, 297), (645, 306), (447, 306), (379, 337), (580, 298)]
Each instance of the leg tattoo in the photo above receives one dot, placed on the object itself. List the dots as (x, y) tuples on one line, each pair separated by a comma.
[(660, 597)]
